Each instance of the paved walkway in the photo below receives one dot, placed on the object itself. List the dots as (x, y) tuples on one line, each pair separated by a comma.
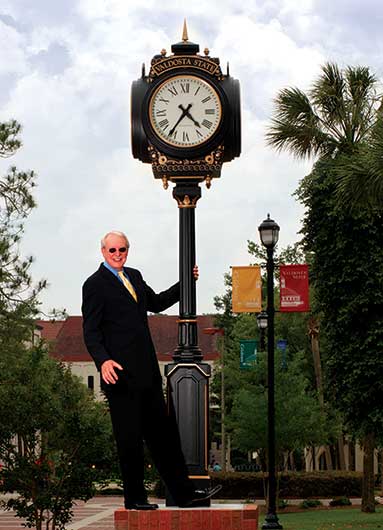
[(98, 514)]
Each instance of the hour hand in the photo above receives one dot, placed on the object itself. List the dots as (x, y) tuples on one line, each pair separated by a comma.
[(192, 119)]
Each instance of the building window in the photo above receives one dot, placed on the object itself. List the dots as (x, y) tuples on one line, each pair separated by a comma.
[(90, 382)]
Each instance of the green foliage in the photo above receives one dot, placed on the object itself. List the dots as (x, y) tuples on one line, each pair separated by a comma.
[(18, 294), (310, 503), (340, 501), (298, 485), (64, 439), (55, 440), (331, 520), (348, 278), (340, 122), (299, 418), (339, 119), (299, 421)]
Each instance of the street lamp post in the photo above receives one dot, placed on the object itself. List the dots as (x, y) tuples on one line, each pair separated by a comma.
[(269, 233)]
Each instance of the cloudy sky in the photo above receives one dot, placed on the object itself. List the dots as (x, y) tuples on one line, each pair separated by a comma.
[(66, 68)]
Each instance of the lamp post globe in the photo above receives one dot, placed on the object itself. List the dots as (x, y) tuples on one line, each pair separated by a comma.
[(269, 232), (262, 319)]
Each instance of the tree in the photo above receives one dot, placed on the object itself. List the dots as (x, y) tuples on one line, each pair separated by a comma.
[(341, 125), (339, 119), (18, 294), (246, 407), (54, 438), (299, 420), (64, 439)]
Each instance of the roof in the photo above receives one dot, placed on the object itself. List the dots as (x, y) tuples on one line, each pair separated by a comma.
[(68, 344), (50, 328)]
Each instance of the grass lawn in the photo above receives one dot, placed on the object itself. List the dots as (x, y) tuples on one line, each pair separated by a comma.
[(335, 519)]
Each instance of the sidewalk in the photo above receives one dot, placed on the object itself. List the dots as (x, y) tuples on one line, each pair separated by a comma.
[(98, 513)]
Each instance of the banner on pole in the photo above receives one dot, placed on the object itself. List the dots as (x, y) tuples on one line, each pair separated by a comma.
[(248, 353), (246, 289), (294, 288)]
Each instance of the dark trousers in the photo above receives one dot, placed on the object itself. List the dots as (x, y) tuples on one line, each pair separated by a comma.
[(141, 414)]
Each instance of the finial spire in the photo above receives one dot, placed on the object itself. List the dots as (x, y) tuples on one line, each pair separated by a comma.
[(185, 37)]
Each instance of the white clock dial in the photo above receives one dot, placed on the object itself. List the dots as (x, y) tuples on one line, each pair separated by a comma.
[(185, 111)]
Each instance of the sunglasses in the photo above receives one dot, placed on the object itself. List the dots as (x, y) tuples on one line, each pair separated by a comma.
[(120, 250)]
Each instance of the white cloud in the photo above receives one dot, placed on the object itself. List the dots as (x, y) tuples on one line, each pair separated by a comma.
[(76, 122)]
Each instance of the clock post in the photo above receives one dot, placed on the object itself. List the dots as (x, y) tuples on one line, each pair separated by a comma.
[(186, 123)]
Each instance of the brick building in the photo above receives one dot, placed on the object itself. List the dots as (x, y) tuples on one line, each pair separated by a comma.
[(67, 344)]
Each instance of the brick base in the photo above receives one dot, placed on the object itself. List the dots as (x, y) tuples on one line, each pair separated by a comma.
[(219, 517)]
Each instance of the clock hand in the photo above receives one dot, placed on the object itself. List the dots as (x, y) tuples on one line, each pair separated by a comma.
[(184, 113), (192, 119)]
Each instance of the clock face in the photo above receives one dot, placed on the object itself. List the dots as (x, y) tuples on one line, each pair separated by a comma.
[(185, 111)]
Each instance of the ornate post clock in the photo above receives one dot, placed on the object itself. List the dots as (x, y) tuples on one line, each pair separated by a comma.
[(186, 123)]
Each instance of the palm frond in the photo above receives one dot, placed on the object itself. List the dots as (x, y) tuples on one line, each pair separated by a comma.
[(295, 127), (362, 100), (327, 93)]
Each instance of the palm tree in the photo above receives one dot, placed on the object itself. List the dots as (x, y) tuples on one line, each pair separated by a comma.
[(340, 118), (340, 123)]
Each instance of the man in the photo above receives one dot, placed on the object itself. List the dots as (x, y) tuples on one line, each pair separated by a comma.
[(116, 333)]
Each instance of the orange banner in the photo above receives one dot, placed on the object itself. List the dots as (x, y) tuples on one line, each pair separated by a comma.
[(246, 289)]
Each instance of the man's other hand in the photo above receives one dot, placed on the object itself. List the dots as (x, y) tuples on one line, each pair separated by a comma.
[(108, 371), (195, 272)]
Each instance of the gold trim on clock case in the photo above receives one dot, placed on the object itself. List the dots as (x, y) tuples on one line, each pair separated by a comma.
[(187, 202), (167, 64)]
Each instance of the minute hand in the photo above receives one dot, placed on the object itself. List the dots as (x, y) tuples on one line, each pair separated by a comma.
[(184, 113)]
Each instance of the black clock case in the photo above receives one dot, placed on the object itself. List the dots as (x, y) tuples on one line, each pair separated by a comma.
[(228, 133)]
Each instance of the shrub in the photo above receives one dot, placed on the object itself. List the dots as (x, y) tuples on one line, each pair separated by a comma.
[(340, 501), (310, 503), (282, 504)]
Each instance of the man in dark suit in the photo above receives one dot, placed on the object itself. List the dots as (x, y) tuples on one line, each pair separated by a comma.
[(116, 333)]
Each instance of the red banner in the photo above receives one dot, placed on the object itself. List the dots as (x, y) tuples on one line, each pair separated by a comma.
[(294, 288)]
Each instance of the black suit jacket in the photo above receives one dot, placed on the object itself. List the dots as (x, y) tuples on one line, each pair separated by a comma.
[(116, 326)]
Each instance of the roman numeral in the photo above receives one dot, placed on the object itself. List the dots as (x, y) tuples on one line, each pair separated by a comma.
[(209, 111), (198, 89), (198, 133), (161, 112), (207, 124), (164, 124), (185, 136), (173, 91), (185, 88), (206, 99), (163, 100), (174, 135)]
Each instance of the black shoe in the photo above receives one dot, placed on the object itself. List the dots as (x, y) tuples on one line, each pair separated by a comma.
[(140, 506), (200, 496)]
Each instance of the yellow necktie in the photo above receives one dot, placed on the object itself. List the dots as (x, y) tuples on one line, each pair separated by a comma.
[(127, 284)]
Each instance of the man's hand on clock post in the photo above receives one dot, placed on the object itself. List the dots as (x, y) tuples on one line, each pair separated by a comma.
[(108, 371)]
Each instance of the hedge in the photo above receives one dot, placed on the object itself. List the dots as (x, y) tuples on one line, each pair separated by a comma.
[(299, 485)]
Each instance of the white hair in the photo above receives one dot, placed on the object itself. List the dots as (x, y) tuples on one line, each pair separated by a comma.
[(114, 233)]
